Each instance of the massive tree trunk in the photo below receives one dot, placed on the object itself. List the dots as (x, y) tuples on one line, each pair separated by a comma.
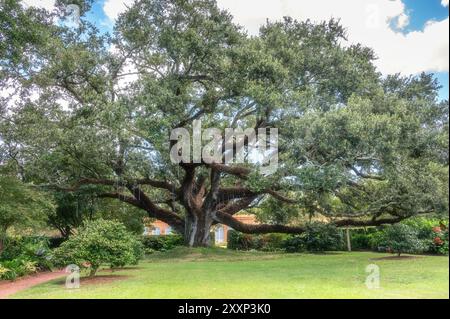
[(197, 230)]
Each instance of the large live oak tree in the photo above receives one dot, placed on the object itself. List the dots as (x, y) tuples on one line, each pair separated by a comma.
[(96, 111)]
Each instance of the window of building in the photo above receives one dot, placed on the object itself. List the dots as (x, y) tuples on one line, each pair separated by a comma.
[(220, 235), (156, 231), (168, 230)]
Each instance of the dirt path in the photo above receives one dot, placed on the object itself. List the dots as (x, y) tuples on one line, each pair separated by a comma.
[(11, 287)]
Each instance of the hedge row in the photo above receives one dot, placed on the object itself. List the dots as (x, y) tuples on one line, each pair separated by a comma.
[(161, 243), (317, 237), (430, 237), (268, 242), (431, 232)]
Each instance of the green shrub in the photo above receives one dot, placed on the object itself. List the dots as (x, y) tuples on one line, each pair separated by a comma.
[(425, 235), (322, 237), (360, 241), (440, 242), (317, 237), (4, 272), (294, 244), (29, 249), (361, 238), (274, 242), (162, 243), (240, 241), (432, 232), (11, 269), (266, 242), (401, 238), (100, 242), (55, 242), (424, 225), (377, 241)]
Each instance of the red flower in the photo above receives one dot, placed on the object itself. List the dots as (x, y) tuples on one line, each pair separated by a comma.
[(438, 241), (437, 229)]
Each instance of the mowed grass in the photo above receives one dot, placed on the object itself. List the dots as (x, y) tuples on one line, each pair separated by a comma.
[(220, 273)]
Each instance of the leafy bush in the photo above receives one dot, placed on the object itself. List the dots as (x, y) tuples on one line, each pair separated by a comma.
[(272, 242), (266, 242), (28, 249), (361, 239), (55, 242), (425, 225), (322, 237), (432, 232), (439, 244), (424, 235), (240, 241), (377, 241), (4, 272), (11, 269), (100, 242), (294, 244), (24, 255), (401, 238), (317, 237), (162, 243)]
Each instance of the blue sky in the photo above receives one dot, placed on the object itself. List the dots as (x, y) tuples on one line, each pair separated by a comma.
[(422, 11), (419, 13), (98, 16)]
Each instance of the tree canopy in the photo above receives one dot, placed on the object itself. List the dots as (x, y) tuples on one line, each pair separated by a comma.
[(21, 206), (96, 111)]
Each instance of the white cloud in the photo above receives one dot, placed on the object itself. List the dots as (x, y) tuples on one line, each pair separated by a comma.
[(402, 21), (444, 3), (45, 4), (368, 22), (113, 8), (414, 52)]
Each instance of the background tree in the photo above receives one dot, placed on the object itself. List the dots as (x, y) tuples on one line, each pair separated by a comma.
[(97, 110), (74, 208), (71, 210), (21, 206)]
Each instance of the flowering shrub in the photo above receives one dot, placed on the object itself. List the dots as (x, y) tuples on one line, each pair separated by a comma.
[(440, 241), (432, 232)]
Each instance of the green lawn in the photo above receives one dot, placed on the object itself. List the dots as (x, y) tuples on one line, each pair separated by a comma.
[(219, 273)]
